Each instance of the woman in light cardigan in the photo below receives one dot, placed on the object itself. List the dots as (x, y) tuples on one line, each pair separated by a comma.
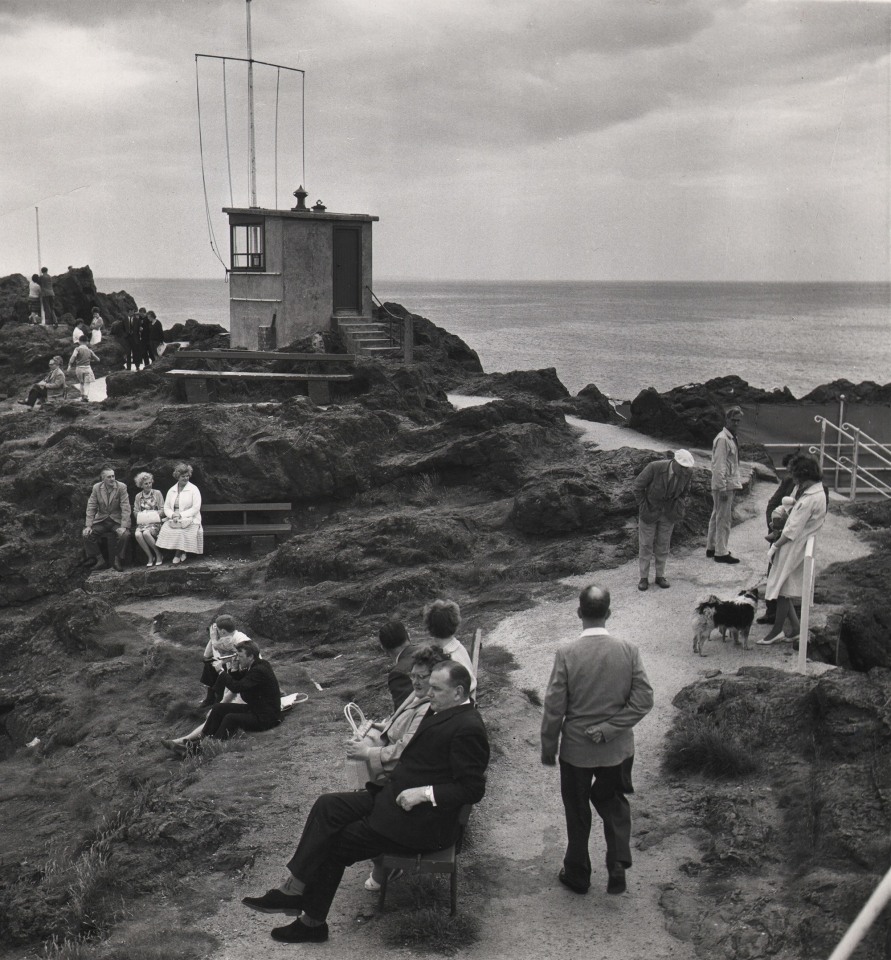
[(182, 532)]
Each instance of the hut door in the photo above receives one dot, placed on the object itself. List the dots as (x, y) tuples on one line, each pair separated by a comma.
[(347, 270)]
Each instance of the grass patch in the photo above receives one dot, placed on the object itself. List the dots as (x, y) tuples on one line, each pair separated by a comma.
[(496, 664), (434, 931), (532, 695), (703, 744)]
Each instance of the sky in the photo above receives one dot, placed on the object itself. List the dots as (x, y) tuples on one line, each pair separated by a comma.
[(598, 140)]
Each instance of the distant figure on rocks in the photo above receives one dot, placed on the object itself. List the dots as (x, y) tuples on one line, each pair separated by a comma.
[(254, 680), (147, 506), (97, 326), (50, 387), (157, 335), (598, 691), (442, 619), (660, 490), (394, 639), (81, 359), (144, 329), (131, 342), (47, 297), (182, 531), (108, 518), (34, 296), (725, 482), (220, 649)]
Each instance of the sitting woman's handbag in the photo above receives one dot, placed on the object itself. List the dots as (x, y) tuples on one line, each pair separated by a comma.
[(180, 524), (357, 771), (146, 517)]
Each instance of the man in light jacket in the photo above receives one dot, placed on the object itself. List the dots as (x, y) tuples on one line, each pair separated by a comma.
[(598, 691), (725, 482), (108, 518), (660, 490)]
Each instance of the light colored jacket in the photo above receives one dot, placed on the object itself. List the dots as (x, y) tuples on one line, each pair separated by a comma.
[(805, 519), (189, 502), (395, 735), (598, 681), (103, 505), (725, 462)]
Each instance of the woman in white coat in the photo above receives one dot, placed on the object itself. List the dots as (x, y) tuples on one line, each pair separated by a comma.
[(786, 577), (182, 531)]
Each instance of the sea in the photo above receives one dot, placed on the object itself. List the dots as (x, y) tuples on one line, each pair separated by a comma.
[(623, 337)]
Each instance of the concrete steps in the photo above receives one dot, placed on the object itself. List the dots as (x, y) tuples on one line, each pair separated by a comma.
[(364, 336)]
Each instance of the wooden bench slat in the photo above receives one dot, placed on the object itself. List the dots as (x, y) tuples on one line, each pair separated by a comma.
[(257, 375), (245, 529), (347, 358), (227, 507)]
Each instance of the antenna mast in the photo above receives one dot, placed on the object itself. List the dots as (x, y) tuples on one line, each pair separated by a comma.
[(251, 148)]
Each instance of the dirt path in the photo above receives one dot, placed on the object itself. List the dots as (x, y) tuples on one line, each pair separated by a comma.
[(512, 887)]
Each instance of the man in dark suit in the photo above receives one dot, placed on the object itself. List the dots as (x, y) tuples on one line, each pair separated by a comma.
[(598, 691), (660, 490), (131, 341), (108, 518), (442, 768)]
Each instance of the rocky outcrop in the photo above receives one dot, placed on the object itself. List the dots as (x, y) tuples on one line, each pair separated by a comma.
[(202, 336), (788, 856), (867, 391)]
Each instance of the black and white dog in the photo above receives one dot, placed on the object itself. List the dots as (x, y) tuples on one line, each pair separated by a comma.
[(732, 617)]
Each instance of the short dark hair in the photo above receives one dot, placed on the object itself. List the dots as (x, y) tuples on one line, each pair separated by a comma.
[(225, 622), (458, 674), (249, 646), (805, 467), (393, 634), (429, 656), (734, 409), (105, 466), (442, 619), (594, 602)]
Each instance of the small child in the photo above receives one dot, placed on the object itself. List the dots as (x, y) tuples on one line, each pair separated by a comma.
[(96, 327), (80, 360), (778, 518)]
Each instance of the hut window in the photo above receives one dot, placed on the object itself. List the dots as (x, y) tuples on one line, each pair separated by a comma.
[(248, 246)]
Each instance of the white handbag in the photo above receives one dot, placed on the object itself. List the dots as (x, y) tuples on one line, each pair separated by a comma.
[(357, 772)]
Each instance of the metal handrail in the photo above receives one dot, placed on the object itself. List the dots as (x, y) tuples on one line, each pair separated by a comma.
[(876, 483), (864, 920), (395, 325), (867, 446)]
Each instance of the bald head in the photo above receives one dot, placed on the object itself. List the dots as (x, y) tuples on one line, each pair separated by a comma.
[(594, 605)]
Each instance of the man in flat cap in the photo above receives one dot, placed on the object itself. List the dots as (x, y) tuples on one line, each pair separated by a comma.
[(660, 490)]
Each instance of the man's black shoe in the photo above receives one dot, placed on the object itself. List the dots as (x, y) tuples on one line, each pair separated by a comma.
[(709, 553), (274, 901), (575, 887), (298, 932), (616, 882), (727, 558)]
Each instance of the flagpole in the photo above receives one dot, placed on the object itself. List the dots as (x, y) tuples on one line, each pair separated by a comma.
[(251, 148)]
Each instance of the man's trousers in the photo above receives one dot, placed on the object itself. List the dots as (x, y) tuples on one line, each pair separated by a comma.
[(336, 835), (720, 523), (607, 795), (655, 543)]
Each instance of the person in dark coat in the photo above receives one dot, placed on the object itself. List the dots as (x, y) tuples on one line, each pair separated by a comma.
[(254, 680), (130, 341), (394, 639), (144, 329), (442, 768)]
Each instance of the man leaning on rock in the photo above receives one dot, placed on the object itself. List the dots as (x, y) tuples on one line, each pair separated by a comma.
[(108, 518), (725, 482)]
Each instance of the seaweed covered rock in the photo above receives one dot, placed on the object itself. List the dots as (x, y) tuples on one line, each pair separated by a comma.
[(527, 385)]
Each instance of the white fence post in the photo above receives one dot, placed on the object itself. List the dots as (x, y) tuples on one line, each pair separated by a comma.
[(858, 929), (807, 599)]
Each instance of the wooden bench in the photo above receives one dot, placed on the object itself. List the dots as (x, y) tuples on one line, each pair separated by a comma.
[(262, 533), (318, 384)]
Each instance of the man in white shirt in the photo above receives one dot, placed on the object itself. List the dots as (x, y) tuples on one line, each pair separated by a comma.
[(726, 481)]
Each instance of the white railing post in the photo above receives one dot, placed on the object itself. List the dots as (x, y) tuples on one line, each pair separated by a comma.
[(864, 920), (807, 599), (822, 441), (854, 462), (838, 442)]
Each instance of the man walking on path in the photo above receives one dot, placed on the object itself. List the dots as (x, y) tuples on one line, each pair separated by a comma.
[(660, 490), (725, 482), (598, 691)]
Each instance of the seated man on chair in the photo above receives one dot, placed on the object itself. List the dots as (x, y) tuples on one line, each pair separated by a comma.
[(442, 768)]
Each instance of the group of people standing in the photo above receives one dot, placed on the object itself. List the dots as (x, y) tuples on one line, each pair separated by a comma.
[(141, 336), (161, 523), (661, 491)]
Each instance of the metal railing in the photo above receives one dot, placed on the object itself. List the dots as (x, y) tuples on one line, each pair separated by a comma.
[(399, 329), (881, 896), (854, 439)]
